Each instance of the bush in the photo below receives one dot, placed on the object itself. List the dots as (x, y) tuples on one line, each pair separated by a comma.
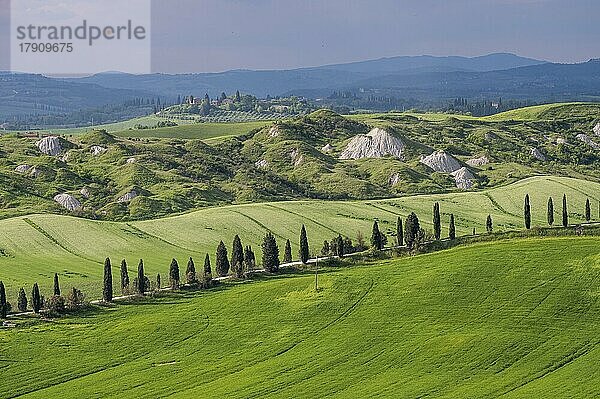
[(56, 305), (75, 299)]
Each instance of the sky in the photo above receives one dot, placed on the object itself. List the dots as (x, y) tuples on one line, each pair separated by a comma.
[(217, 35)]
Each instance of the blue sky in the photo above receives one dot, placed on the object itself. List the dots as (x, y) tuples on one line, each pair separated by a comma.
[(216, 35)]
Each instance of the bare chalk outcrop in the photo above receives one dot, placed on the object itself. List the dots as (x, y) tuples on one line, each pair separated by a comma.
[(463, 178), (440, 161), (85, 192), (128, 197), (50, 145), (394, 179), (274, 131), (537, 154), (584, 138), (327, 148), (596, 129), (296, 157), (261, 163), (97, 150), (23, 169), (482, 160), (67, 201), (375, 144), (131, 160)]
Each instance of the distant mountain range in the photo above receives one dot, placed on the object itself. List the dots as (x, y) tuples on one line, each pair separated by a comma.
[(428, 79), (278, 82)]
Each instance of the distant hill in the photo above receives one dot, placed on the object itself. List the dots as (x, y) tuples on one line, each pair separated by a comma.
[(423, 82), (276, 82)]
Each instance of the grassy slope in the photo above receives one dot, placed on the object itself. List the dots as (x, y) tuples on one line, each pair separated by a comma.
[(196, 130), (75, 247), (516, 319), (536, 112)]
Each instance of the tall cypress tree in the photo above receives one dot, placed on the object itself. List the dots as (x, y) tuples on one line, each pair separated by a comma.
[(376, 239), (550, 211), (270, 253), (237, 257), (222, 264), (249, 258), (174, 274), (411, 229), (399, 232), (3, 303), (22, 300), (158, 282), (527, 212), (287, 252), (56, 285), (124, 277), (565, 212), (141, 278), (36, 299), (452, 228), (437, 221), (304, 250), (207, 269), (107, 290), (190, 272), (339, 246), (588, 210), (489, 226)]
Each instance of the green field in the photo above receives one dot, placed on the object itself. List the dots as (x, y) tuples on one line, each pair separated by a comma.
[(187, 129), (33, 248), (510, 319), (209, 130)]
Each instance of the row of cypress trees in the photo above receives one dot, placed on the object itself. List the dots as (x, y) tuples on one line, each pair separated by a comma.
[(242, 261)]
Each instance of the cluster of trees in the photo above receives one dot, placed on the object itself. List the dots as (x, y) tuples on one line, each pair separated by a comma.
[(56, 304)]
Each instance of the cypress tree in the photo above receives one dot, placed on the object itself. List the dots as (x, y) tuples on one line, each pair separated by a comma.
[(588, 210), (376, 240), (237, 257), (249, 258), (190, 272), (473, 230), (399, 232), (124, 276), (411, 229), (270, 253), (56, 285), (287, 252), (158, 282), (489, 224), (222, 261), (326, 248), (340, 249), (3, 304), (174, 274), (304, 250), (22, 301), (550, 211), (437, 221), (107, 291), (207, 269), (565, 212), (452, 228), (36, 299), (527, 212), (141, 278)]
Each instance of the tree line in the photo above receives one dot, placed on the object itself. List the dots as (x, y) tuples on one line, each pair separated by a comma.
[(408, 233)]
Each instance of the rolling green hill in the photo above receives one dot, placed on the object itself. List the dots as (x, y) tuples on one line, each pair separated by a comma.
[(292, 159), (511, 319), (34, 247)]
